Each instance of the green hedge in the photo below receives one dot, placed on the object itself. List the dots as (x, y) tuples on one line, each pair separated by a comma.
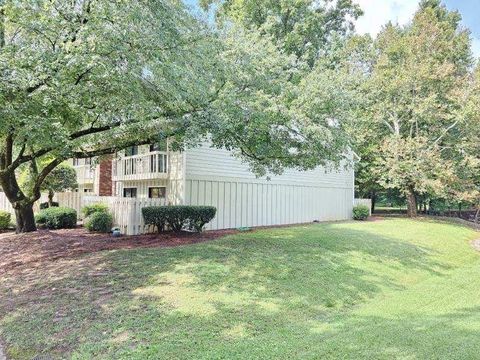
[(46, 205), (178, 217), (5, 218), (361, 212), (94, 208), (100, 222), (57, 218)]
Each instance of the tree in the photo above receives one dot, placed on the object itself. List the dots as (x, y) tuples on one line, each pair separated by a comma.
[(416, 92), (87, 77), (90, 77), (62, 178), (300, 27)]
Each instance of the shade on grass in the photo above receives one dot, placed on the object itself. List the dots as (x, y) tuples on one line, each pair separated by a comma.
[(378, 290)]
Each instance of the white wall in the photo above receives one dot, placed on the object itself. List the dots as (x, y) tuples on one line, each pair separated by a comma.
[(214, 177)]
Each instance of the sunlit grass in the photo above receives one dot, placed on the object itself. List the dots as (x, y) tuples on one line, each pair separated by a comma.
[(377, 290)]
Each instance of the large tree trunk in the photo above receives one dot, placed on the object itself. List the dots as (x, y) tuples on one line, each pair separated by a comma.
[(411, 204), (22, 205), (25, 218)]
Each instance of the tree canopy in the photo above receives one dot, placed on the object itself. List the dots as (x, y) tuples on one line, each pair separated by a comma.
[(89, 77), (416, 94)]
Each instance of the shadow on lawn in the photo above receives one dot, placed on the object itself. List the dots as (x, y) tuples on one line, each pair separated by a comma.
[(241, 293)]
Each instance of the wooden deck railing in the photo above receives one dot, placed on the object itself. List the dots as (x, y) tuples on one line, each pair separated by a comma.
[(140, 167)]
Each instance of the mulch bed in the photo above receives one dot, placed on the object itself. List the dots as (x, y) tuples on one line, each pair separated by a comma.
[(33, 249)]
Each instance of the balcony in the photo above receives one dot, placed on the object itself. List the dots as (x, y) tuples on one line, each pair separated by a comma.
[(153, 165), (85, 174)]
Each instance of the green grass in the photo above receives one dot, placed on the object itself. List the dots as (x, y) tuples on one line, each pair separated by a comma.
[(393, 289)]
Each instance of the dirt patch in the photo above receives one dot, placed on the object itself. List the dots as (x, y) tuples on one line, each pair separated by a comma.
[(476, 244), (42, 246)]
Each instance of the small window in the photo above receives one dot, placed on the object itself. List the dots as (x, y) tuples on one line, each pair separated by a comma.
[(87, 190), (76, 162), (157, 192), (88, 161), (160, 146), (131, 150), (130, 192)]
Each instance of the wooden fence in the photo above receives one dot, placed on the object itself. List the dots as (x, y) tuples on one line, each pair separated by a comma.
[(127, 213), (367, 202)]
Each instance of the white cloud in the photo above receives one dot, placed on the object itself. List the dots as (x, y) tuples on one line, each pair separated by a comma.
[(378, 12)]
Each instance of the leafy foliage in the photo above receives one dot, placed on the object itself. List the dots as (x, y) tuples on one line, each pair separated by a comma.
[(46, 205), (94, 208), (99, 221), (178, 217), (413, 110), (87, 78), (5, 219), (361, 212), (57, 218), (303, 28)]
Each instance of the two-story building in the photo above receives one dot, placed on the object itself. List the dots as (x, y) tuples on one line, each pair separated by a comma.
[(209, 176)]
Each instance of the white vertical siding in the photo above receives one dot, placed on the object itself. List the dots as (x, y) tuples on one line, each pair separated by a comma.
[(247, 204), (214, 177)]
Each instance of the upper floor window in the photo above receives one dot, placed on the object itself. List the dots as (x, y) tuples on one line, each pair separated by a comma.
[(88, 161), (76, 162), (131, 150)]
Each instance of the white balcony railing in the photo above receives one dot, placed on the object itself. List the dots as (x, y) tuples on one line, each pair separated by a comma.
[(153, 165), (85, 174)]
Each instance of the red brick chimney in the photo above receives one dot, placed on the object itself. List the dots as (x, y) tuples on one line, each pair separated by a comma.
[(105, 177)]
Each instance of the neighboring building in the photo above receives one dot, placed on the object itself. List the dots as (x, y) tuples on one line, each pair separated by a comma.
[(208, 176)]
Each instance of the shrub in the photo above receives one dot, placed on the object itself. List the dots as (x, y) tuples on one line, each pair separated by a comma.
[(57, 218), (94, 208), (5, 218), (361, 212), (178, 217), (99, 221), (45, 205)]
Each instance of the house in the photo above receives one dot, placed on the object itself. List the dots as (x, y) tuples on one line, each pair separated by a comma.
[(209, 176)]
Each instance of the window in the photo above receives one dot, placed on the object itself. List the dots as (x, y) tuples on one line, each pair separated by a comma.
[(87, 190), (130, 192), (88, 161), (76, 162), (160, 146), (131, 150), (157, 192)]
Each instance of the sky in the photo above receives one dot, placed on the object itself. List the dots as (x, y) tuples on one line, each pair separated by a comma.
[(379, 12)]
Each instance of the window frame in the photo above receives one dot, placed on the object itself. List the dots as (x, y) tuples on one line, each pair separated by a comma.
[(150, 188), (131, 190)]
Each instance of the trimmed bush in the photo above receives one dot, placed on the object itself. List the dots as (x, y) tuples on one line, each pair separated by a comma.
[(45, 205), (5, 218), (57, 218), (94, 208), (99, 222), (178, 217), (361, 212)]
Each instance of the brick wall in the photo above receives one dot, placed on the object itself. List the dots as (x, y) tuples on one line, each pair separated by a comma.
[(105, 181)]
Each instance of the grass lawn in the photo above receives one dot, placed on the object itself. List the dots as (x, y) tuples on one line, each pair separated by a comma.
[(392, 289)]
